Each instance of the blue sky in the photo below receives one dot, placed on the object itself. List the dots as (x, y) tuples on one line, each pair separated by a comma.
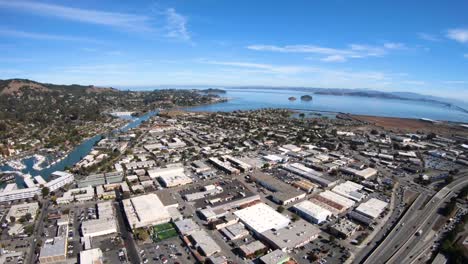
[(415, 46)]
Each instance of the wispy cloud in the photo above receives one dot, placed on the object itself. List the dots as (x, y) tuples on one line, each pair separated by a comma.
[(353, 51), (394, 45), (295, 70), (458, 34), (176, 25), (42, 36), (113, 19), (465, 55), (428, 37), (267, 67), (334, 58)]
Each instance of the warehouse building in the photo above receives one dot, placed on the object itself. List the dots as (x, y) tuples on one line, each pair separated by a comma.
[(204, 243), (312, 212), (282, 193), (350, 190), (261, 217), (336, 198), (293, 236), (145, 210), (365, 174), (309, 174), (372, 208)]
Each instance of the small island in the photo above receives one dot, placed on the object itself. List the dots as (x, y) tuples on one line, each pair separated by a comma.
[(306, 97), (292, 98), (213, 91)]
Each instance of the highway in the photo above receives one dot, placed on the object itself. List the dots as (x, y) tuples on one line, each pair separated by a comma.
[(415, 244), (401, 241)]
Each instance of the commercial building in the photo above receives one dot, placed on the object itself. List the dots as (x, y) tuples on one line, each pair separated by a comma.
[(91, 256), (186, 226), (304, 185), (171, 176), (309, 174), (350, 190), (293, 236), (204, 243), (372, 208), (244, 167), (282, 193), (261, 217), (105, 224), (223, 166), (145, 210), (20, 210), (344, 228), (101, 179), (275, 257), (235, 231), (252, 249), (312, 212), (365, 174), (54, 250), (336, 198)]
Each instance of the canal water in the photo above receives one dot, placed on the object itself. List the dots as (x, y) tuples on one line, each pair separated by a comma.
[(75, 155)]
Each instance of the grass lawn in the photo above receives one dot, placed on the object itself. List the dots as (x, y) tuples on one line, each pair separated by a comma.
[(163, 231)]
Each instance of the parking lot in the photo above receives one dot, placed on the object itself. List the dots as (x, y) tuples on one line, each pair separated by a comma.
[(171, 250)]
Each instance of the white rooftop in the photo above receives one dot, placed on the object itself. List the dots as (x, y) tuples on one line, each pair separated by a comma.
[(145, 210), (261, 217), (313, 210), (373, 208)]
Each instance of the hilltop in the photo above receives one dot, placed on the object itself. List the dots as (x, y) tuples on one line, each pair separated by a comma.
[(20, 86)]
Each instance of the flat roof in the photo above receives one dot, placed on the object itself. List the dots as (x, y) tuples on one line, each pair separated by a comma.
[(294, 235), (337, 198), (56, 247), (313, 210), (275, 257), (205, 242), (372, 208), (261, 217), (145, 209), (91, 256)]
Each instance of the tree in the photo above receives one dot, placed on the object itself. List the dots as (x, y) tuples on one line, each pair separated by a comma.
[(28, 217), (141, 234), (45, 191), (12, 219), (280, 209), (295, 218)]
